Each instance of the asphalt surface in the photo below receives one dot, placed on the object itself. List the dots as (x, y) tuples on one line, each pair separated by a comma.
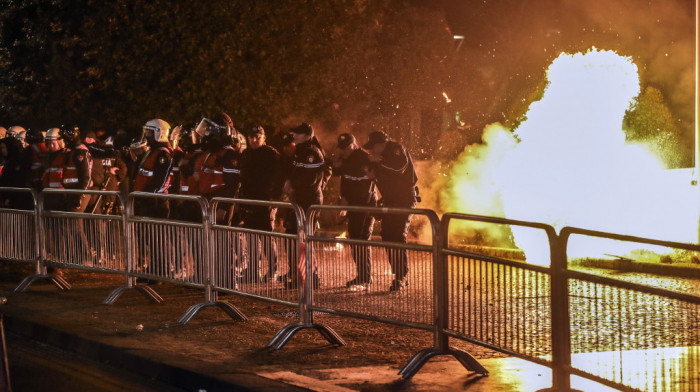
[(36, 366), (52, 348)]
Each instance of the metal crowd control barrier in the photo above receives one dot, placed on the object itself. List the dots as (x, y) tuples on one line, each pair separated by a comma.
[(27, 232), (250, 261), (23, 244), (496, 302), (77, 240), (163, 249), (334, 261), (629, 335)]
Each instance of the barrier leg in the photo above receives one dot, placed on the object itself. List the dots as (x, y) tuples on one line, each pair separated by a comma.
[(422, 357), (286, 333), (229, 309), (58, 281), (145, 290)]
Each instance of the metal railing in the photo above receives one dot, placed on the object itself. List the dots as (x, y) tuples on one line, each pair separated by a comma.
[(23, 244), (164, 249), (81, 240), (624, 334), (249, 260)]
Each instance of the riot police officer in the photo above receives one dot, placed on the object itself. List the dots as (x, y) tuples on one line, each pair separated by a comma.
[(77, 172), (35, 156), (261, 179), (187, 182), (152, 173), (393, 169), (153, 156), (217, 168), (14, 174), (108, 170), (305, 182), (352, 164)]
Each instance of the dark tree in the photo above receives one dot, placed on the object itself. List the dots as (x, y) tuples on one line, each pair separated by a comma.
[(117, 63)]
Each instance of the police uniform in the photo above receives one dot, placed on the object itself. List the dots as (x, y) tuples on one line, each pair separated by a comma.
[(306, 179), (77, 172), (35, 155), (153, 176), (14, 174), (105, 159), (261, 179), (188, 183), (178, 156), (396, 180), (358, 190)]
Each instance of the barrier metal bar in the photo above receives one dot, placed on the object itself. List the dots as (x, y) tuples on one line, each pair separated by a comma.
[(310, 282), (163, 249), (481, 276), (248, 261), (23, 244), (490, 301), (81, 240), (647, 339), (232, 252), (40, 272)]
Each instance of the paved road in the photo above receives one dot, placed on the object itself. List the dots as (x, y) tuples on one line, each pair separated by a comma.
[(38, 367)]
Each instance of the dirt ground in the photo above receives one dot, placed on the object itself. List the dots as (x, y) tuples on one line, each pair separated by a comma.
[(212, 337)]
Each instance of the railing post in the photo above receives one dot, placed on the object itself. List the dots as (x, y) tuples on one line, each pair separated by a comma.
[(39, 233), (561, 325), (305, 251), (440, 289), (208, 219), (125, 240)]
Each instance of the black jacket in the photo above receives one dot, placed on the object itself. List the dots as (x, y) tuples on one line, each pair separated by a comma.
[(261, 174), (306, 176), (396, 176), (355, 185)]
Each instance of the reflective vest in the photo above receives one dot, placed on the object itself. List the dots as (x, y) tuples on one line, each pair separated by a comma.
[(145, 173), (211, 175), (39, 151), (53, 177), (188, 184), (70, 171)]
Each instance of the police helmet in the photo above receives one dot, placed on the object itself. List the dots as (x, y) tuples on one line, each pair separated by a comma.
[(157, 129), (52, 134), (212, 127)]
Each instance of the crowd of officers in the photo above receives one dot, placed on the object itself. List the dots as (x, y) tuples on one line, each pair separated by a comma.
[(213, 159)]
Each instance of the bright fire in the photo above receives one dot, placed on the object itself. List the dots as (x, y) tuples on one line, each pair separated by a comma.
[(568, 164)]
